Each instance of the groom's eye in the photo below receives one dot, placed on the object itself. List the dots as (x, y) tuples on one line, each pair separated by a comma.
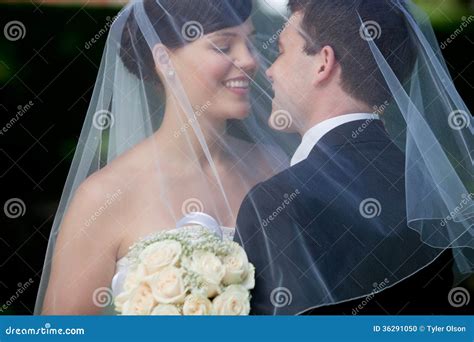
[(280, 49)]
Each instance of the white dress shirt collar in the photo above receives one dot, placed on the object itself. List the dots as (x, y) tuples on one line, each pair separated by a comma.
[(314, 134)]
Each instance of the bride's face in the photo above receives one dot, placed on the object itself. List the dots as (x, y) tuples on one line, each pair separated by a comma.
[(215, 70)]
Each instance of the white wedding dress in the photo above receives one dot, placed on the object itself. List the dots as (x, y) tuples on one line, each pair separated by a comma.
[(123, 264)]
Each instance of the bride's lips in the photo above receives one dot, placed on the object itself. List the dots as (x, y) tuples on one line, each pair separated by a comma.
[(238, 85)]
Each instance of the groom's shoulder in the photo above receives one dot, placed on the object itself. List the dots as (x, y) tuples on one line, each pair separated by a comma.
[(279, 186), (293, 176), (327, 170)]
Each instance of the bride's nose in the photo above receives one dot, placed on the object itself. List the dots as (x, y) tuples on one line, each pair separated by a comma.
[(245, 60)]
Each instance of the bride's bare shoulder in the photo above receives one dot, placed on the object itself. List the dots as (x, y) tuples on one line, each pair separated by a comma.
[(108, 186), (119, 172)]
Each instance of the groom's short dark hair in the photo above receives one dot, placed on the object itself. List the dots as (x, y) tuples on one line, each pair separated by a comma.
[(336, 23)]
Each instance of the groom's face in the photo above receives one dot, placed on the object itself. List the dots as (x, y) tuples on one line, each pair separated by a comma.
[(291, 76)]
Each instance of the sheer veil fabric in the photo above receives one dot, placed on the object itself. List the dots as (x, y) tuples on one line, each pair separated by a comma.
[(172, 128), (180, 122), (313, 257)]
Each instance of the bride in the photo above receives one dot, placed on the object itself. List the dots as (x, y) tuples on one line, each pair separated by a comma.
[(168, 132)]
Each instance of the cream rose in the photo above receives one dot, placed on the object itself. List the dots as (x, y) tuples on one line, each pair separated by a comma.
[(235, 300), (160, 254), (236, 265), (120, 300), (167, 285), (134, 277), (210, 290), (141, 301), (210, 268), (196, 304), (249, 281), (166, 310)]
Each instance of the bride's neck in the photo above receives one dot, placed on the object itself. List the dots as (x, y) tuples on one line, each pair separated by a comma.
[(185, 136)]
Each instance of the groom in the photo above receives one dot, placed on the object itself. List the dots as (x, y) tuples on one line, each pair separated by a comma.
[(333, 226)]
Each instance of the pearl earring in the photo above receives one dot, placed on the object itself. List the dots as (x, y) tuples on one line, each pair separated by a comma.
[(170, 72)]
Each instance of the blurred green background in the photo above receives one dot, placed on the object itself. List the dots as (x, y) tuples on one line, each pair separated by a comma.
[(52, 67)]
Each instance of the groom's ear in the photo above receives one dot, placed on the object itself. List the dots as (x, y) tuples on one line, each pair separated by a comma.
[(325, 64)]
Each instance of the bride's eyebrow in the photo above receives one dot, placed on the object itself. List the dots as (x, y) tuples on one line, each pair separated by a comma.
[(232, 34)]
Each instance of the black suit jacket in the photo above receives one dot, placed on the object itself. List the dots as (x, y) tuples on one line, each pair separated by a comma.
[(333, 226)]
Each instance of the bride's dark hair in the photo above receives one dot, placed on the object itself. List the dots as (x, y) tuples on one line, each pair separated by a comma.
[(168, 18)]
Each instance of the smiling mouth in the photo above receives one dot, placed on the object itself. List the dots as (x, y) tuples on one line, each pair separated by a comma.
[(237, 84)]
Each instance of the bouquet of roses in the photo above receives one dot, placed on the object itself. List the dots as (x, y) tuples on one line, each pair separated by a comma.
[(187, 271)]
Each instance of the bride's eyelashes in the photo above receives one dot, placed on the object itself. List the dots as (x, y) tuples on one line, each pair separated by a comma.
[(220, 47), (224, 49)]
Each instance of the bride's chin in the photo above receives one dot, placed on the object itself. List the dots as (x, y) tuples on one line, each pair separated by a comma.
[(239, 114), (233, 110)]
